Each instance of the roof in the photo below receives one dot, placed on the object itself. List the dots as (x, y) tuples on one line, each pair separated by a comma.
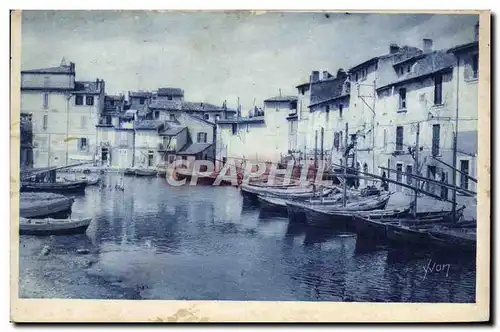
[(194, 148), (148, 124), (200, 106), (51, 70), (197, 118), (172, 131), (281, 98), (431, 63), (255, 119), (464, 47), (139, 94), (329, 100), (328, 89), (166, 105), (170, 92), (364, 64), (403, 53)]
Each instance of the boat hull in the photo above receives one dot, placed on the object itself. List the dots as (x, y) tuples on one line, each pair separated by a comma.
[(46, 227), (44, 208), (70, 187)]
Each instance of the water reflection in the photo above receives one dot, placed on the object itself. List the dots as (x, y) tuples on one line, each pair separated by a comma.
[(154, 241)]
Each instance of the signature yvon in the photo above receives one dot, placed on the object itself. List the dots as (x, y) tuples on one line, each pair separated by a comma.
[(433, 267)]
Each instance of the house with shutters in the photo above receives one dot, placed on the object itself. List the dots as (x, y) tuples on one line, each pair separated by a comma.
[(64, 114), (425, 95)]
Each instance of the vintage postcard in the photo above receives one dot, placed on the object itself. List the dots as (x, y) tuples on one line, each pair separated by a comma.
[(250, 166)]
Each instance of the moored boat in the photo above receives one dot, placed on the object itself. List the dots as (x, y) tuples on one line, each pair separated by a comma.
[(129, 172), (57, 187), (40, 205), (339, 216), (50, 226), (145, 172), (91, 181)]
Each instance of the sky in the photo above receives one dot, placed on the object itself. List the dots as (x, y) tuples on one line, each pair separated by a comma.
[(217, 56)]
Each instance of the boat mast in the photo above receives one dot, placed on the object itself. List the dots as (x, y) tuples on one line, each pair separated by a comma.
[(454, 208), (415, 171), (345, 166)]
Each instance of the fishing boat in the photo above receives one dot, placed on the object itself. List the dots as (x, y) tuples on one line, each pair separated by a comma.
[(145, 172), (41, 205), (337, 215), (91, 181), (57, 187), (50, 226), (281, 204), (129, 172), (206, 180)]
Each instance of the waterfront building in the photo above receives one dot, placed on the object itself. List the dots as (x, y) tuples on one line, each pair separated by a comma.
[(26, 141), (65, 113)]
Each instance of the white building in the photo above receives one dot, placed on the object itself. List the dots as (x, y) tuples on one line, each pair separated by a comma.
[(65, 113)]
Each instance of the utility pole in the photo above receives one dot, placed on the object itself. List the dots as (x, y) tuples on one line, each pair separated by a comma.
[(454, 208), (345, 166), (415, 171), (322, 137)]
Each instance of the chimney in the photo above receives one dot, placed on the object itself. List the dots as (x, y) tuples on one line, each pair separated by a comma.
[(314, 76), (393, 48), (72, 66), (326, 75), (427, 45), (476, 32), (341, 73)]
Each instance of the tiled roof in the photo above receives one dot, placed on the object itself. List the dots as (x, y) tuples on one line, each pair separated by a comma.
[(166, 105), (148, 124), (139, 94), (194, 148), (327, 89), (281, 98), (256, 119), (329, 100), (403, 53), (170, 92), (52, 70), (430, 63), (172, 131), (200, 107), (464, 47)]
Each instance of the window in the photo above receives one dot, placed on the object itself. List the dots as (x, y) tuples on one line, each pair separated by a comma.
[(464, 168), (327, 108), (89, 100), (83, 122), (438, 90), (402, 98), (435, 139), (341, 140), (79, 100), (235, 128), (141, 101), (401, 71), (202, 138), (399, 138), (357, 77), (385, 138), (108, 119), (409, 170), (206, 116), (45, 121), (169, 97), (157, 115), (217, 117), (45, 100), (151, 157), (184, 157), (336, 140), (341, 108), (408, 69), (475, 65), (399, 175), (171, 158), (172, 117), (112, 103), (83, 144), (353, 138)]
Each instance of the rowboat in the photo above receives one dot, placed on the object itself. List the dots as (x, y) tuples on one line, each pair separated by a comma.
[(91, 181), (337, 215), (53, 226), (129, 171), (59, 187), (280, 204), (40, 205), (145, 172)]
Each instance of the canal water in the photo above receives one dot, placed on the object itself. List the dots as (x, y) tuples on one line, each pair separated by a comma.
[(154, 241)]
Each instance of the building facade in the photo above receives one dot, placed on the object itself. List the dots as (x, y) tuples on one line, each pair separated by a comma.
[(65, 113)]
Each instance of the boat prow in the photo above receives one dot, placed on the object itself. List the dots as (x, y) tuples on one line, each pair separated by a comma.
[(45, 227)]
